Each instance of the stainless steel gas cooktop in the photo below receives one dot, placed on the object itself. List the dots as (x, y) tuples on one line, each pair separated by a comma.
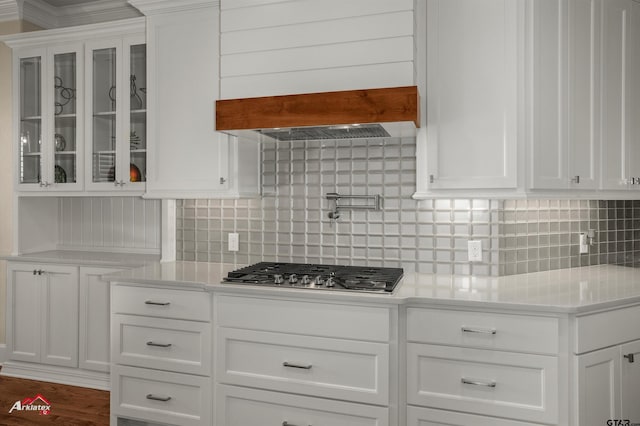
[(318, 277)]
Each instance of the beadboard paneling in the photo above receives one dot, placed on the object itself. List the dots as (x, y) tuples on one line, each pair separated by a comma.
[(304, 46), (109, 223)]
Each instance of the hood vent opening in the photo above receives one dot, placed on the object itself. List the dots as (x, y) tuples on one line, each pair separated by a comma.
[(329, 132), (379, 113)]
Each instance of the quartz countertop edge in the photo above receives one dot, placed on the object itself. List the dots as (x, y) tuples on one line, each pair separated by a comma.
[(85, 258), (576, 290)]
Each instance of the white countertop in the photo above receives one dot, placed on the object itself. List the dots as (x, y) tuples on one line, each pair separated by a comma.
[(88, 258), (575, 290)]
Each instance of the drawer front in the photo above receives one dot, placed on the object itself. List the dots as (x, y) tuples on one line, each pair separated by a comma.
[(308, 318), (419, 416), (159, 396), (518, 333), (605, 329), (161, 302), (164, 344), (242, 407), (331, 368), (503, 384)]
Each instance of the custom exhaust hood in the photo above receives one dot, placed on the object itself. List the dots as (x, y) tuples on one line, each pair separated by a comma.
[(368, 113)]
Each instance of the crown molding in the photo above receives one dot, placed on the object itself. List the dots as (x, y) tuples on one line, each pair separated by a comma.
[(155, 7), (42, 14)]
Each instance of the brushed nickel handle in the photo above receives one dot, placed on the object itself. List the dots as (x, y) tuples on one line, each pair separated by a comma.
[(151, 302), (159, 398), (629, 357), (222, 181), (488, 384), (159, 345), (478, 330), (576, 179), (293, 365)]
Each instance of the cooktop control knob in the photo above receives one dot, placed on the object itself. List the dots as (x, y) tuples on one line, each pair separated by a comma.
[(304, 280), (293, 278), (277, 279), (318, 279), (329, 282)]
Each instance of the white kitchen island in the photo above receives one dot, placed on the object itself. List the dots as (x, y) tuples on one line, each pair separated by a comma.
[(552, 347)]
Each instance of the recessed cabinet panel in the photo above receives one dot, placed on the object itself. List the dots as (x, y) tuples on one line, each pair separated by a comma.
[(630, 385)]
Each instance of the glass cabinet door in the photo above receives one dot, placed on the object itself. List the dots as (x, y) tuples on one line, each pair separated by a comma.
[(118, 127), (30, 167), (104, 123), (138, 113), (65, 121)]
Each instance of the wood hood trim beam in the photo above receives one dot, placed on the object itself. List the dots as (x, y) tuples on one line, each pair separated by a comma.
[(388, 105)]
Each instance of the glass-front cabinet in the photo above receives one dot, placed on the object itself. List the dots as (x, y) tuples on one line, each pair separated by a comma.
[(117, 102), (50, 119)]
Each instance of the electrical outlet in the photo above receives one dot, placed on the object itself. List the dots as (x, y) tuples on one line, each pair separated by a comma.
[(584, 243), (234, 241), (474, 249)]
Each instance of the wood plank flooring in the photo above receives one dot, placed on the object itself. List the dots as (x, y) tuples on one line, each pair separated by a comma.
[(70, 405)]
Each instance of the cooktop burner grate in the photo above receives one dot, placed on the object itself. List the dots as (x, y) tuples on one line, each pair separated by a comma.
[(317, 276)]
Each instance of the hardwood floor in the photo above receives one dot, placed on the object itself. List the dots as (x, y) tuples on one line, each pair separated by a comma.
[(70, 405)]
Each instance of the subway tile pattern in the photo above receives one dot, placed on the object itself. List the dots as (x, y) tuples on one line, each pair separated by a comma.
[(290, 222)]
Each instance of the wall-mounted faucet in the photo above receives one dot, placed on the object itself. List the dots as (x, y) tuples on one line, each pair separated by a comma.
[(372, 202)]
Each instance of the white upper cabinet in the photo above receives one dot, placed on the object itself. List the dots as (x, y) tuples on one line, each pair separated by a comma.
[(621, 95), (48, 130), (273, 47), (472, 93), (116, 100), (80, 99), (188, 159), (565, 94)]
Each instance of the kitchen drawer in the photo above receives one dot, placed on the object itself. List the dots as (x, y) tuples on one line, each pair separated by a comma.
[(511, 385), (164, 344), (307, 318), (419, 416), (243, 407), (160, 396), (338, 369), (161, 302), (603, 329), (518, 333)]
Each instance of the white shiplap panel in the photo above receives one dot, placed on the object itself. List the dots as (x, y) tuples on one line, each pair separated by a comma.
[(139, 229), (295, 12), (358, 28), (97, 220), (152, 221), (350, 78), (318, 57), (87, 224), (128, 223), (107, 223), (117, 213)]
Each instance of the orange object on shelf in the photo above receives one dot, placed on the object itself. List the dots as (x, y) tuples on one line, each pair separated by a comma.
[(134, 173)]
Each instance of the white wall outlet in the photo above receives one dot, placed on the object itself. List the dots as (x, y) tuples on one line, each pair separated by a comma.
[(234, 241), (584, 243), (474, 249)]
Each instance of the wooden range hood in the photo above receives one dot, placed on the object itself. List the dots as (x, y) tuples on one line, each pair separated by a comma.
[(345, 114)]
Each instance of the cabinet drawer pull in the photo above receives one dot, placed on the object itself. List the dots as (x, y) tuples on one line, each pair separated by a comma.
[(151, 302), (292, 365), (158, 398), (286, 423), (159, 345), (630, 357), (488, 384), (466, 329)]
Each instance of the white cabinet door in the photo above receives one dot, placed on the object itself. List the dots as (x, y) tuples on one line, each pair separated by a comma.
[(94, 336), (43, 318), (23, 319), (565, 52), (621, 148), (472, 99), (59, 315), (599, 387), (630, 381), (188, 158)]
